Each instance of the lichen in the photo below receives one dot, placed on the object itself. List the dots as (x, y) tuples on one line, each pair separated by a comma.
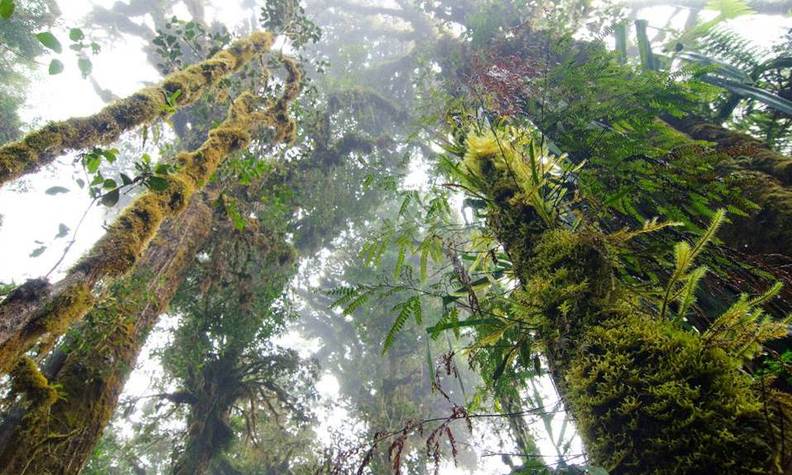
[(43, 145)]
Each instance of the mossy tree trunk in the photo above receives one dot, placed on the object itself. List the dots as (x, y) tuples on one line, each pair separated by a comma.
[(648, 397), (755, 154), (90, 377)]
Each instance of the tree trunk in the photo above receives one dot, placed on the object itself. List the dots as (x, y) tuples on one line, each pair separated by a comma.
[(752, 153), (92, 376), (647, 396)]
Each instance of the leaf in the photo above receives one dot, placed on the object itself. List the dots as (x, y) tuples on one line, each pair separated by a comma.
[(125, 180), (157, 183), (63, 231), (48, 39), (110, 198), (109, 184), (91, 161), (55, 67), (406, 309), (751, 92), (86, 67), (594, 470), (76, 34), (7, 9), (54, 190), (38, 251)]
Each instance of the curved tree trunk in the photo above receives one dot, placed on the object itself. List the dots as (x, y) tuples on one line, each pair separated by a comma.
[(753, 154)]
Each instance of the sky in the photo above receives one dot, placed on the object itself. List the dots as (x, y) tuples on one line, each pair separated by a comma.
[(32, 217)]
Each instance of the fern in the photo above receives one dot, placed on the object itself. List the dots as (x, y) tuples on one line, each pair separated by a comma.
[(408, 308)]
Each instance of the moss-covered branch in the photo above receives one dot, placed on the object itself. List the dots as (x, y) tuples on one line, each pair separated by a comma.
[(23, 321), (175, 91), (753, 154)]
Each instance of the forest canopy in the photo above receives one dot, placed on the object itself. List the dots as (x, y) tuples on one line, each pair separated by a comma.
[(259, 237)]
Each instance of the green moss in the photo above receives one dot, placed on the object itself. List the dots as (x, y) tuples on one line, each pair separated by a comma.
[(650, 398), (27, 379), (773, 217), (127, 238)]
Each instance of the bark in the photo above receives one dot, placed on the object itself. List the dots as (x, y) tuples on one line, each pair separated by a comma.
[(751, 153), (91, 377), (208, 428), (50, 311), (44, 145)]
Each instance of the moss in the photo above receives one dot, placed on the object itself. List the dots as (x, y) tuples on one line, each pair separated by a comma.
[(43, 145), (27, 379), (65, 308), (753, 154), (773, 217), (650, 398)]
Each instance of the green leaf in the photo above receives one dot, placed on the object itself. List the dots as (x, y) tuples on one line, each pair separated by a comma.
[(76, 34), (63, 230), (86, 67), (54, 190), (109, 184), (38, 251), (6, 9), (55, 67), (157, 183), (48, 39), (91, 161), (109, 199), (125, 180)]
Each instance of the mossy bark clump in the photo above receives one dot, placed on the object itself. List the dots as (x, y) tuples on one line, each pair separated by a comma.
[(648, 396), (117, 252), (58, 435), (752, 153), (176, 90)]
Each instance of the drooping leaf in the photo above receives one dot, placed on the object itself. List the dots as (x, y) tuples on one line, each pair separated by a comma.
[(110, 198), (55, 67), (63, 231), (86, 67), (76, 34), (48, 39)]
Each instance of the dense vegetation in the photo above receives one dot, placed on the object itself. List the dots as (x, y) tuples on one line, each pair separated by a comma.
[(455, 236)]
